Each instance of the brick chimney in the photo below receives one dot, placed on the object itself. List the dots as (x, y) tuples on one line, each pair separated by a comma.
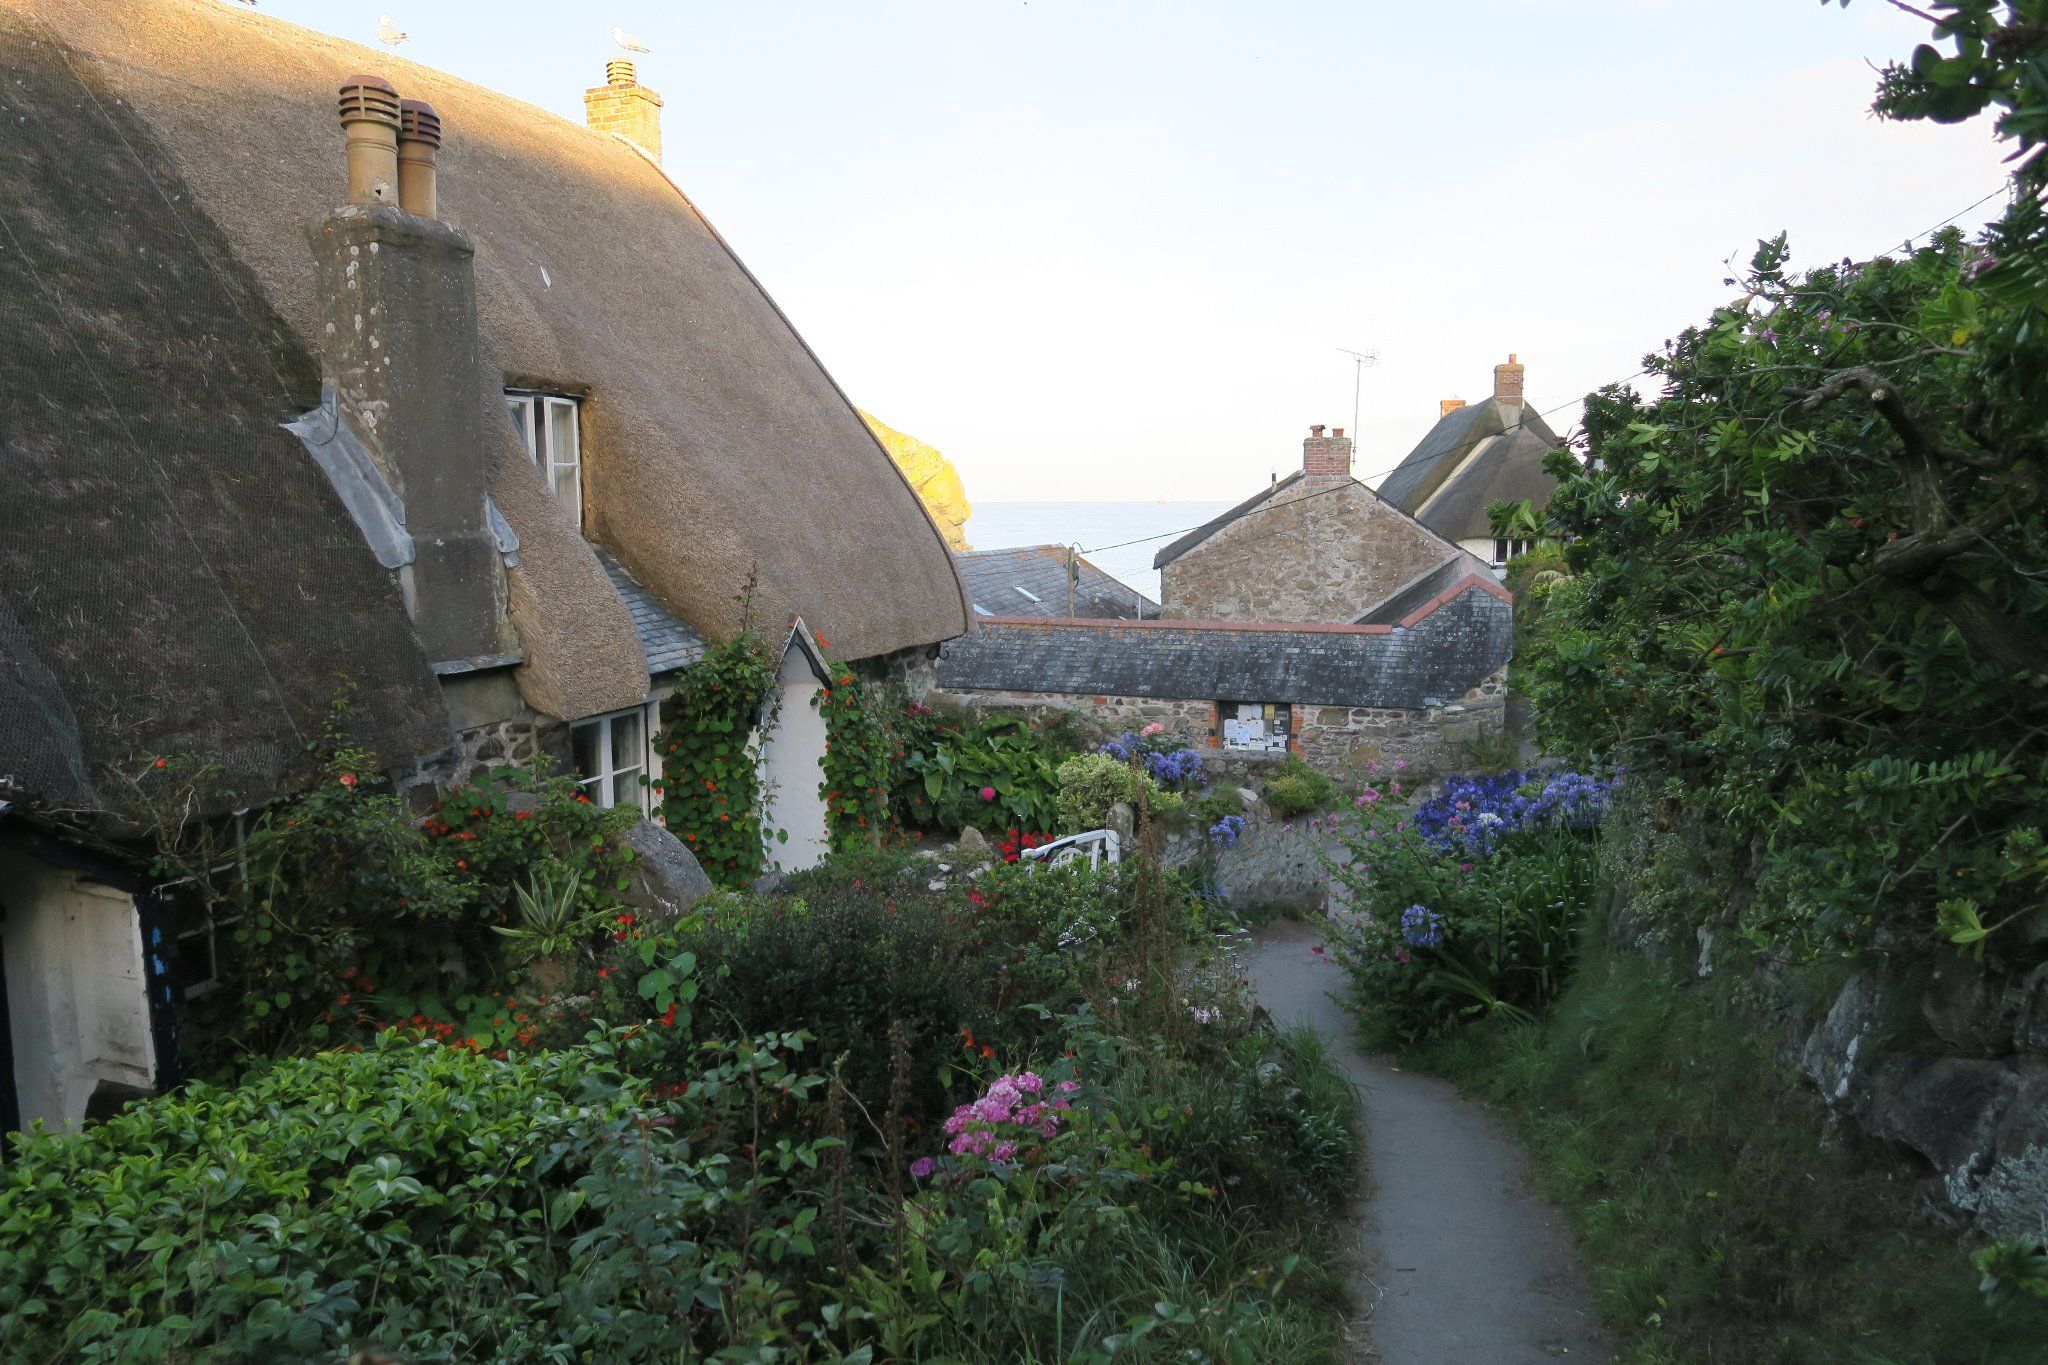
[(397, 294), (1325, 460), (1447, 406), (1507, 382), (624, 106)]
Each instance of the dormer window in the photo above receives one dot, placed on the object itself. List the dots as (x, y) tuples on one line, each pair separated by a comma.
[(549, 424)]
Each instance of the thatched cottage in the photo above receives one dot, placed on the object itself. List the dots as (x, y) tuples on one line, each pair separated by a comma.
[(480, 417), (1477, 454)]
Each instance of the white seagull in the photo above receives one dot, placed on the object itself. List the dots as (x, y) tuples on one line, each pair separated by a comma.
[(388, 31), (627, 42)]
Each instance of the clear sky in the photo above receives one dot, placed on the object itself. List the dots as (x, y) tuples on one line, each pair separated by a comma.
[(1108, 248)]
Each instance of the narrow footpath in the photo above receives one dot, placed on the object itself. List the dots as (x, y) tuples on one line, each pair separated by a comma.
[(1464, 1265)]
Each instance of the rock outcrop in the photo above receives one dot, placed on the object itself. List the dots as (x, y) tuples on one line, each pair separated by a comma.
[(932, 475)]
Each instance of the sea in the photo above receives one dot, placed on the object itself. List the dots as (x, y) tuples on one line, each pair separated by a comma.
[(1105, 531)]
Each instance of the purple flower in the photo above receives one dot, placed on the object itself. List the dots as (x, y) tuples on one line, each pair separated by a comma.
[(923, 1167)]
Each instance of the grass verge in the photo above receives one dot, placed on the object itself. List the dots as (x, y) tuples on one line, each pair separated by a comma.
[(1720, 1217)]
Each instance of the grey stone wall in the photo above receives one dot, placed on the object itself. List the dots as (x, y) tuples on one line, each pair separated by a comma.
[(1341, 739), (1311, 555)]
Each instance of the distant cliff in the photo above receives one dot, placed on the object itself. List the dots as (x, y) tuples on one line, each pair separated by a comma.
[(932, 475)]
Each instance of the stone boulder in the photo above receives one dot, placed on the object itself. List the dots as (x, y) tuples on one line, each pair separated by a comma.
[(1124, 821), (972, 850), (663, 880)]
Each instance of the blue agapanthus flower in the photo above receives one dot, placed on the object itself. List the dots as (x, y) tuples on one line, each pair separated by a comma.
[(1226, 830), (1422, 927)]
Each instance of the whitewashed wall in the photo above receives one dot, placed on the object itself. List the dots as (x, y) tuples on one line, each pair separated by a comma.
[(790, 769)]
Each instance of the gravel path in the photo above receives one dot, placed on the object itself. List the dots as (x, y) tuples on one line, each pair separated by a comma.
[(1464, 1265)]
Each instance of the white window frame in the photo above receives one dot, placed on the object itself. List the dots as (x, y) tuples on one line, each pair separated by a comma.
[(531, 412), (603, 785), (1512, 545)]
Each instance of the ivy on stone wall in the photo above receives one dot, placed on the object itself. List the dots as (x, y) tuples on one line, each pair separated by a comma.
[(711, 786)]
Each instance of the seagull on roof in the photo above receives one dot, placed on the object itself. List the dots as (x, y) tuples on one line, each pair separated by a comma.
[(388, 31), (627, 42)]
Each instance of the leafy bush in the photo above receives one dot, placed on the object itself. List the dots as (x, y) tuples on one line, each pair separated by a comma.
[(1294, 788), (407, 1199), (1471, 904), (1089, 784), (344, 907), (985, 775), (844, 961), (1805, 590)]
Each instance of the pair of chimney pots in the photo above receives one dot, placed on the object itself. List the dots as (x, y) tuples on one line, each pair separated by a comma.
[(392, 144)]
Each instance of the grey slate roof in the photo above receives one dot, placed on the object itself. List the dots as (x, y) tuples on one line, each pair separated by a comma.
[(1444, 655), (1511, 442), (666, 641), (1032, 581), (1217, 523)]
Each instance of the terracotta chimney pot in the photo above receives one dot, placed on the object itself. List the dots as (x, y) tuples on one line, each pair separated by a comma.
[(369, 118), (419, 141), (1448, 406)]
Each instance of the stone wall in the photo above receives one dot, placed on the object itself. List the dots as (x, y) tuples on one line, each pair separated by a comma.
[(1341, 739), (478, 750), (1311, 555), (1336, 739)]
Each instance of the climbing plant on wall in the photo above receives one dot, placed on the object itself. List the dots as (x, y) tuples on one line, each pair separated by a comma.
[(861, 748), (709, 755)]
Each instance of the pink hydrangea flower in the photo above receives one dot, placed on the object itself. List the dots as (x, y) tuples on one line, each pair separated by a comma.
[(988, 793), (1154, 728), (923, 1167)]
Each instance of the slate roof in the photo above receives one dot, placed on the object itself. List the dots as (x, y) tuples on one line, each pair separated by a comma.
[(1217, 523), (1461, 637), (182, 577), (1032, 581), (667, 642), (1448, 492)]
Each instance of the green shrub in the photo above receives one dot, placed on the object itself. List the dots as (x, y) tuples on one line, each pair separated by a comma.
[(1294, 788), (408, 1199), (949, 764), (1089, 784), (844, 961)]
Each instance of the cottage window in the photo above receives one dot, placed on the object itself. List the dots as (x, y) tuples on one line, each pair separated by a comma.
[(203, 927), (1505, 549), (550, 425), (1256, 727), (614, 757)]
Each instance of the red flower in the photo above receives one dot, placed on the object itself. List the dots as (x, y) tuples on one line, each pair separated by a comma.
[(348, 779), (163, 763)]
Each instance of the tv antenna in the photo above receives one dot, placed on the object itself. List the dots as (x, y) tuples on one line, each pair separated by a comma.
[(1359, 360)]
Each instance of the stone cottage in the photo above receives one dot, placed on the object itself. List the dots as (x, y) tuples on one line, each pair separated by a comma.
[(1316, 546), (450, 400), (1418, 676), (1475, 455)]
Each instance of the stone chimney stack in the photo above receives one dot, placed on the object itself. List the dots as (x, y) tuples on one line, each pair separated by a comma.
[(1507, 383), (1447, 406), (399, 348), (624, 106), (1325, 460)]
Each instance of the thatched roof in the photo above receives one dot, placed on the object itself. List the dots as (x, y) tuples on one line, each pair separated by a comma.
[(1476, 454), (1032, 581), (182, 578), (715, 445)]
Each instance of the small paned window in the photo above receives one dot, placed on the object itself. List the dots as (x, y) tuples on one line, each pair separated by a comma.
[(1505, 549), (203, 928), (550, 425), (613, 755)]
